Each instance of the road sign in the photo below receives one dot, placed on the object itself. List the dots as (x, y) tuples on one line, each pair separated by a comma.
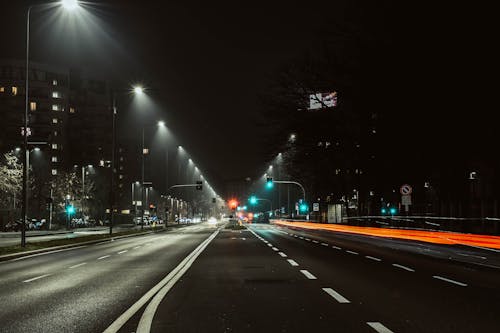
[(406, 200), (316, 207), (405, 189)]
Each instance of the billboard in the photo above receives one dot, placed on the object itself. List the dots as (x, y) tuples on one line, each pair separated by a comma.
[(320, 101)]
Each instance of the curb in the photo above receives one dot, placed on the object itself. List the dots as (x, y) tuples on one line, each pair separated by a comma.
[(7, 257)]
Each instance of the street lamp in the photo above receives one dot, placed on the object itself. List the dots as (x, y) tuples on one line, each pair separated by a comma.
[(68, 5), (145, 152), (138, 90)]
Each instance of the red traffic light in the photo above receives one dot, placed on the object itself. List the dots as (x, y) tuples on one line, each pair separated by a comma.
[(233, 203)]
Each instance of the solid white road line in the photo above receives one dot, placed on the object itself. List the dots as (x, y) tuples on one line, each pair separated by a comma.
[(336, 247), (379, 327), (308, 275), (282, 254), (324, 244), (103, 257), (450, 281), (36, 278), (158, 292), (404, 267), (351, 252), (373, 258), (75, 266), (122, 251), (339, 298), (292, 262), (44, 253), (275, 249)]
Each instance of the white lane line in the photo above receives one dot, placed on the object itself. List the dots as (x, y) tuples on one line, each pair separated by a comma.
[(373, 258), (36, 278), (339, 298), (450, 281), (308, 275), (404, 267), (160, 289), (269, 244), (75, 266), (292, 262), (147, 317), (122, 251), (282, 254), (378, 327), (307, 239), (324, 244), (45, 253), (135, 248), (315, 241), (275, 249), (351, 252), (103, 257), (336, 247), (301, 237)]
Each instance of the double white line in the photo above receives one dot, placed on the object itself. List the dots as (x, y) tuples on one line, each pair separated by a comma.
[(158, 292)]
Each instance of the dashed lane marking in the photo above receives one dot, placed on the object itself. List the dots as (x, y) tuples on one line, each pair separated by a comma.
[(122, 251), (78, 265), (292, 262), (352, 252), (404, 267), (450, 281), (308, 274), (373, 258), (339, 298), (378, 327), (36, 278), (103, 257), (282, 254)]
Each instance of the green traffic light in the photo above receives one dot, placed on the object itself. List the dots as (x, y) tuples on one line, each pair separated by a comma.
[(269, 183), (383, 210), (70, 209), (303, 207), (393, 211), (253, 200)]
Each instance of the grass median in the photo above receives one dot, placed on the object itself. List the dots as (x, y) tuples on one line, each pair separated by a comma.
[(67, 241)]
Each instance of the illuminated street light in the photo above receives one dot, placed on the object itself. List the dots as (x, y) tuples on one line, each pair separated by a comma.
[(138, 90), (70, 4), (161, 123)]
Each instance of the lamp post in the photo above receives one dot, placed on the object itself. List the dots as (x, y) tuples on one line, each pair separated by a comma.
[(68, 5), (144, 152)]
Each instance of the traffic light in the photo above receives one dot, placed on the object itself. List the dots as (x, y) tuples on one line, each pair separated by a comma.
[(383, 211), (303, 208), (199, 185), (393, 211), (253, 200), (233, 203), (70, 209), (269, 183)]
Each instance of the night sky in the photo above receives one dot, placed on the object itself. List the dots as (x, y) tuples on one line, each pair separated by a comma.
[(208, 63)]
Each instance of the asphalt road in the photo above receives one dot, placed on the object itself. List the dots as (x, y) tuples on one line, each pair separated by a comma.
[(273, 279), (265, 278), (86, 289)]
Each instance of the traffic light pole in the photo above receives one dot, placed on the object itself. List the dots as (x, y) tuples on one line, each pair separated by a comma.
[(292, 182)]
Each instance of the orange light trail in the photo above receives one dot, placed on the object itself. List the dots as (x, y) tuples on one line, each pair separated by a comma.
[(436, 237)]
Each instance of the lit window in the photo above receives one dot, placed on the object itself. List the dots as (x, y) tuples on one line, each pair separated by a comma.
[(72, 110), (14, 91), (55, 107), (2, 89), (33, 106), (120, 176), (54, 159), (54, 121), (56, 94), (54, 146), (54, 172), (56, 133), (54, 82)]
